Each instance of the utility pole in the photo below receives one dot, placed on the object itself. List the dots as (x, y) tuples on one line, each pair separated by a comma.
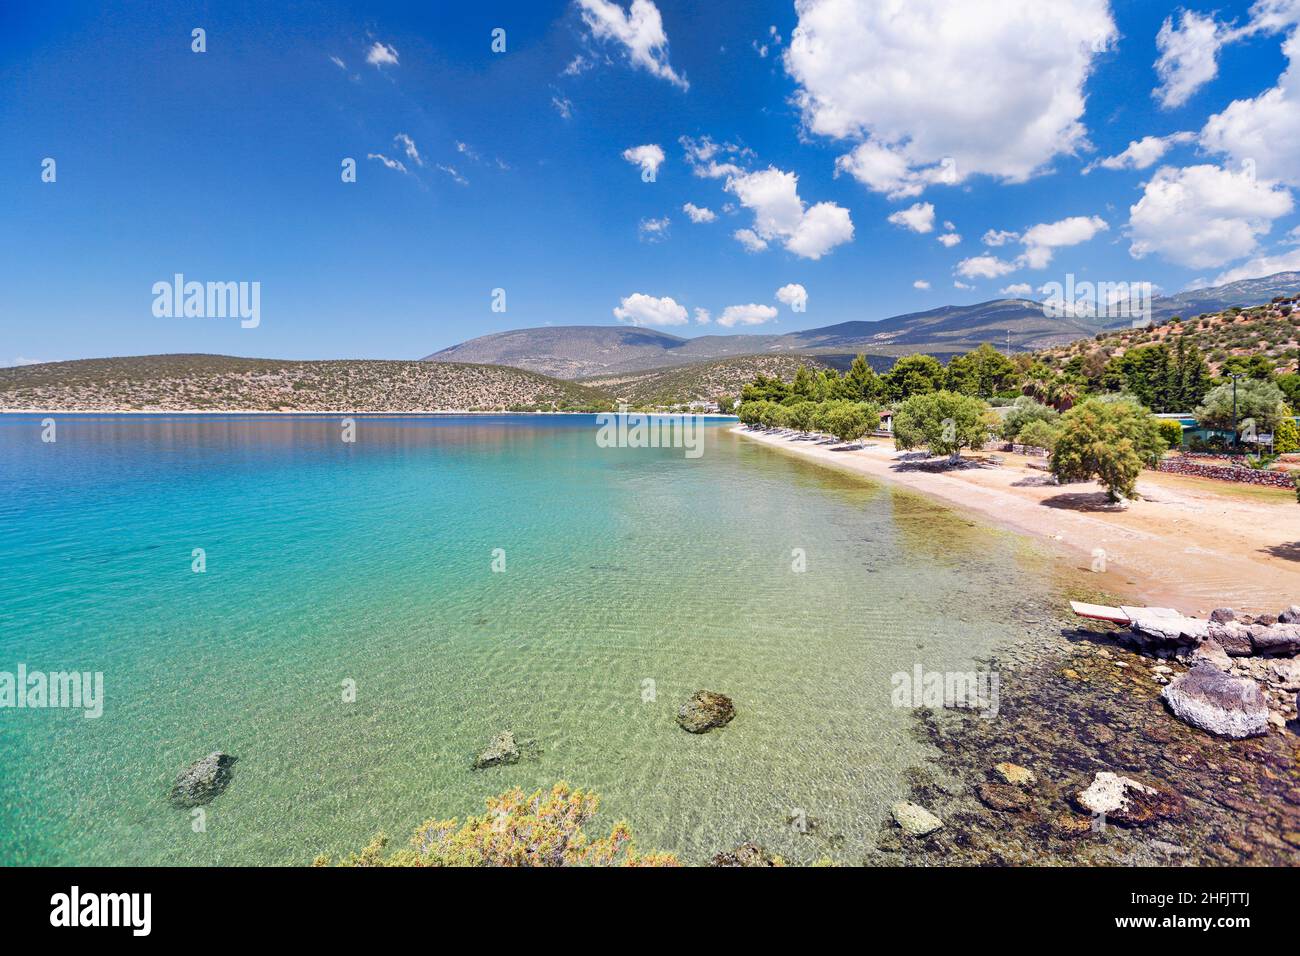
[(1235, 442)]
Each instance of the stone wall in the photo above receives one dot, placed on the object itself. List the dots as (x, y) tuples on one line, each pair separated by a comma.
[(1186, 465)]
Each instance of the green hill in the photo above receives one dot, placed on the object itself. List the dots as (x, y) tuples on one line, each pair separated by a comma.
[(226, 383)]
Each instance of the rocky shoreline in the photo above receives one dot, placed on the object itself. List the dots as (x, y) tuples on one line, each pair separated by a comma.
[(1081, 711)]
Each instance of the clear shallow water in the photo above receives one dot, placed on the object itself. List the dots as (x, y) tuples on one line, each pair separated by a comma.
[(372, 562)]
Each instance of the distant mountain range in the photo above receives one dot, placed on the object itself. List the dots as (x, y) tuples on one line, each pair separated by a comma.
[(586, 351), (580, 351), (1245, 293)]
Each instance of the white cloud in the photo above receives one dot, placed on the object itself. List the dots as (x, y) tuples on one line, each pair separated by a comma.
[(886, 170), (563, 105), (408, 146), (702, 316), (1188, 57), (1019, 290), (779, 214), (750, 240), (381, 55), (823, 227), (995, 87), (649, 157), (339, 63), (999, 237), (793, 295), (698, 214), (1204, 216), (1261, 266), (920, 284), (453, 172), (1042, 239), (395, 164), (653, 230), (984, 267), (640, 309), (751, 314), (578, 65), (1261, 133), (702, 155), (958, 284), (1143, 152), (919, 217), (640, 30), (949, 239)]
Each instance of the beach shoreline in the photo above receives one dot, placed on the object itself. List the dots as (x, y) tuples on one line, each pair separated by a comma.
[(1184, 544)]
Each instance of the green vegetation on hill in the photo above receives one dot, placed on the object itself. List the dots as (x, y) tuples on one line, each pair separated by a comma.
[(1172, 366), (225, 383), (705, 382)]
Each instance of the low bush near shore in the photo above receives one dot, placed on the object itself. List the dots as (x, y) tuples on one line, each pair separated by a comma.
[(518, 829)]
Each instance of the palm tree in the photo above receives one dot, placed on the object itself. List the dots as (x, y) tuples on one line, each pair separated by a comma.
[(1037, 388), (1064, 394)]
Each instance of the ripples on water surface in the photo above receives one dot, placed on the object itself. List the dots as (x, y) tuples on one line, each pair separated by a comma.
[(372, 561)]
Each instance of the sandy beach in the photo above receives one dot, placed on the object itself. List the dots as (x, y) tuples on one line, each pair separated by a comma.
[(1191, 544)]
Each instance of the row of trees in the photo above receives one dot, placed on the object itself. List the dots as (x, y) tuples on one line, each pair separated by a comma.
[(1162, 377), (1108, 438), (846, 420), (984, 372)]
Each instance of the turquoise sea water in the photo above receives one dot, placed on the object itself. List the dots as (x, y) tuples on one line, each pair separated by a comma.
[(633, 577)]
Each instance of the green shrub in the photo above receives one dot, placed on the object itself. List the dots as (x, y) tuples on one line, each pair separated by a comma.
[(1109, 441), (518, 830), (1171, 431), (1024, 411), (1040, 434), (1286, 437)]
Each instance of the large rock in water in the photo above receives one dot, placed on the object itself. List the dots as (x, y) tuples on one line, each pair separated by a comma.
[(1275, 638), (1127, 801), (915, 819), (747, 854), (1224, 705), (705, 710), (502, 749), (202, 781)]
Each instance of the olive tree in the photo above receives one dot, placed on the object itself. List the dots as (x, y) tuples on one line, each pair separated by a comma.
[(1258, 401), (804, 416), (848, 421), (942, 422)]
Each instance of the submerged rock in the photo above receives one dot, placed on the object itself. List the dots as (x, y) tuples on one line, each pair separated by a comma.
[(1015, 774), (1213, 701), (705, 710), (747, 854), (1127, 801), (203, 781), (914, 819), (502, 749), (1222, 615), (1002, 796)]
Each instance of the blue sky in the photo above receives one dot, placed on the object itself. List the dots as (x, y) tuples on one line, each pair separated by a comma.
[(225, 165)]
